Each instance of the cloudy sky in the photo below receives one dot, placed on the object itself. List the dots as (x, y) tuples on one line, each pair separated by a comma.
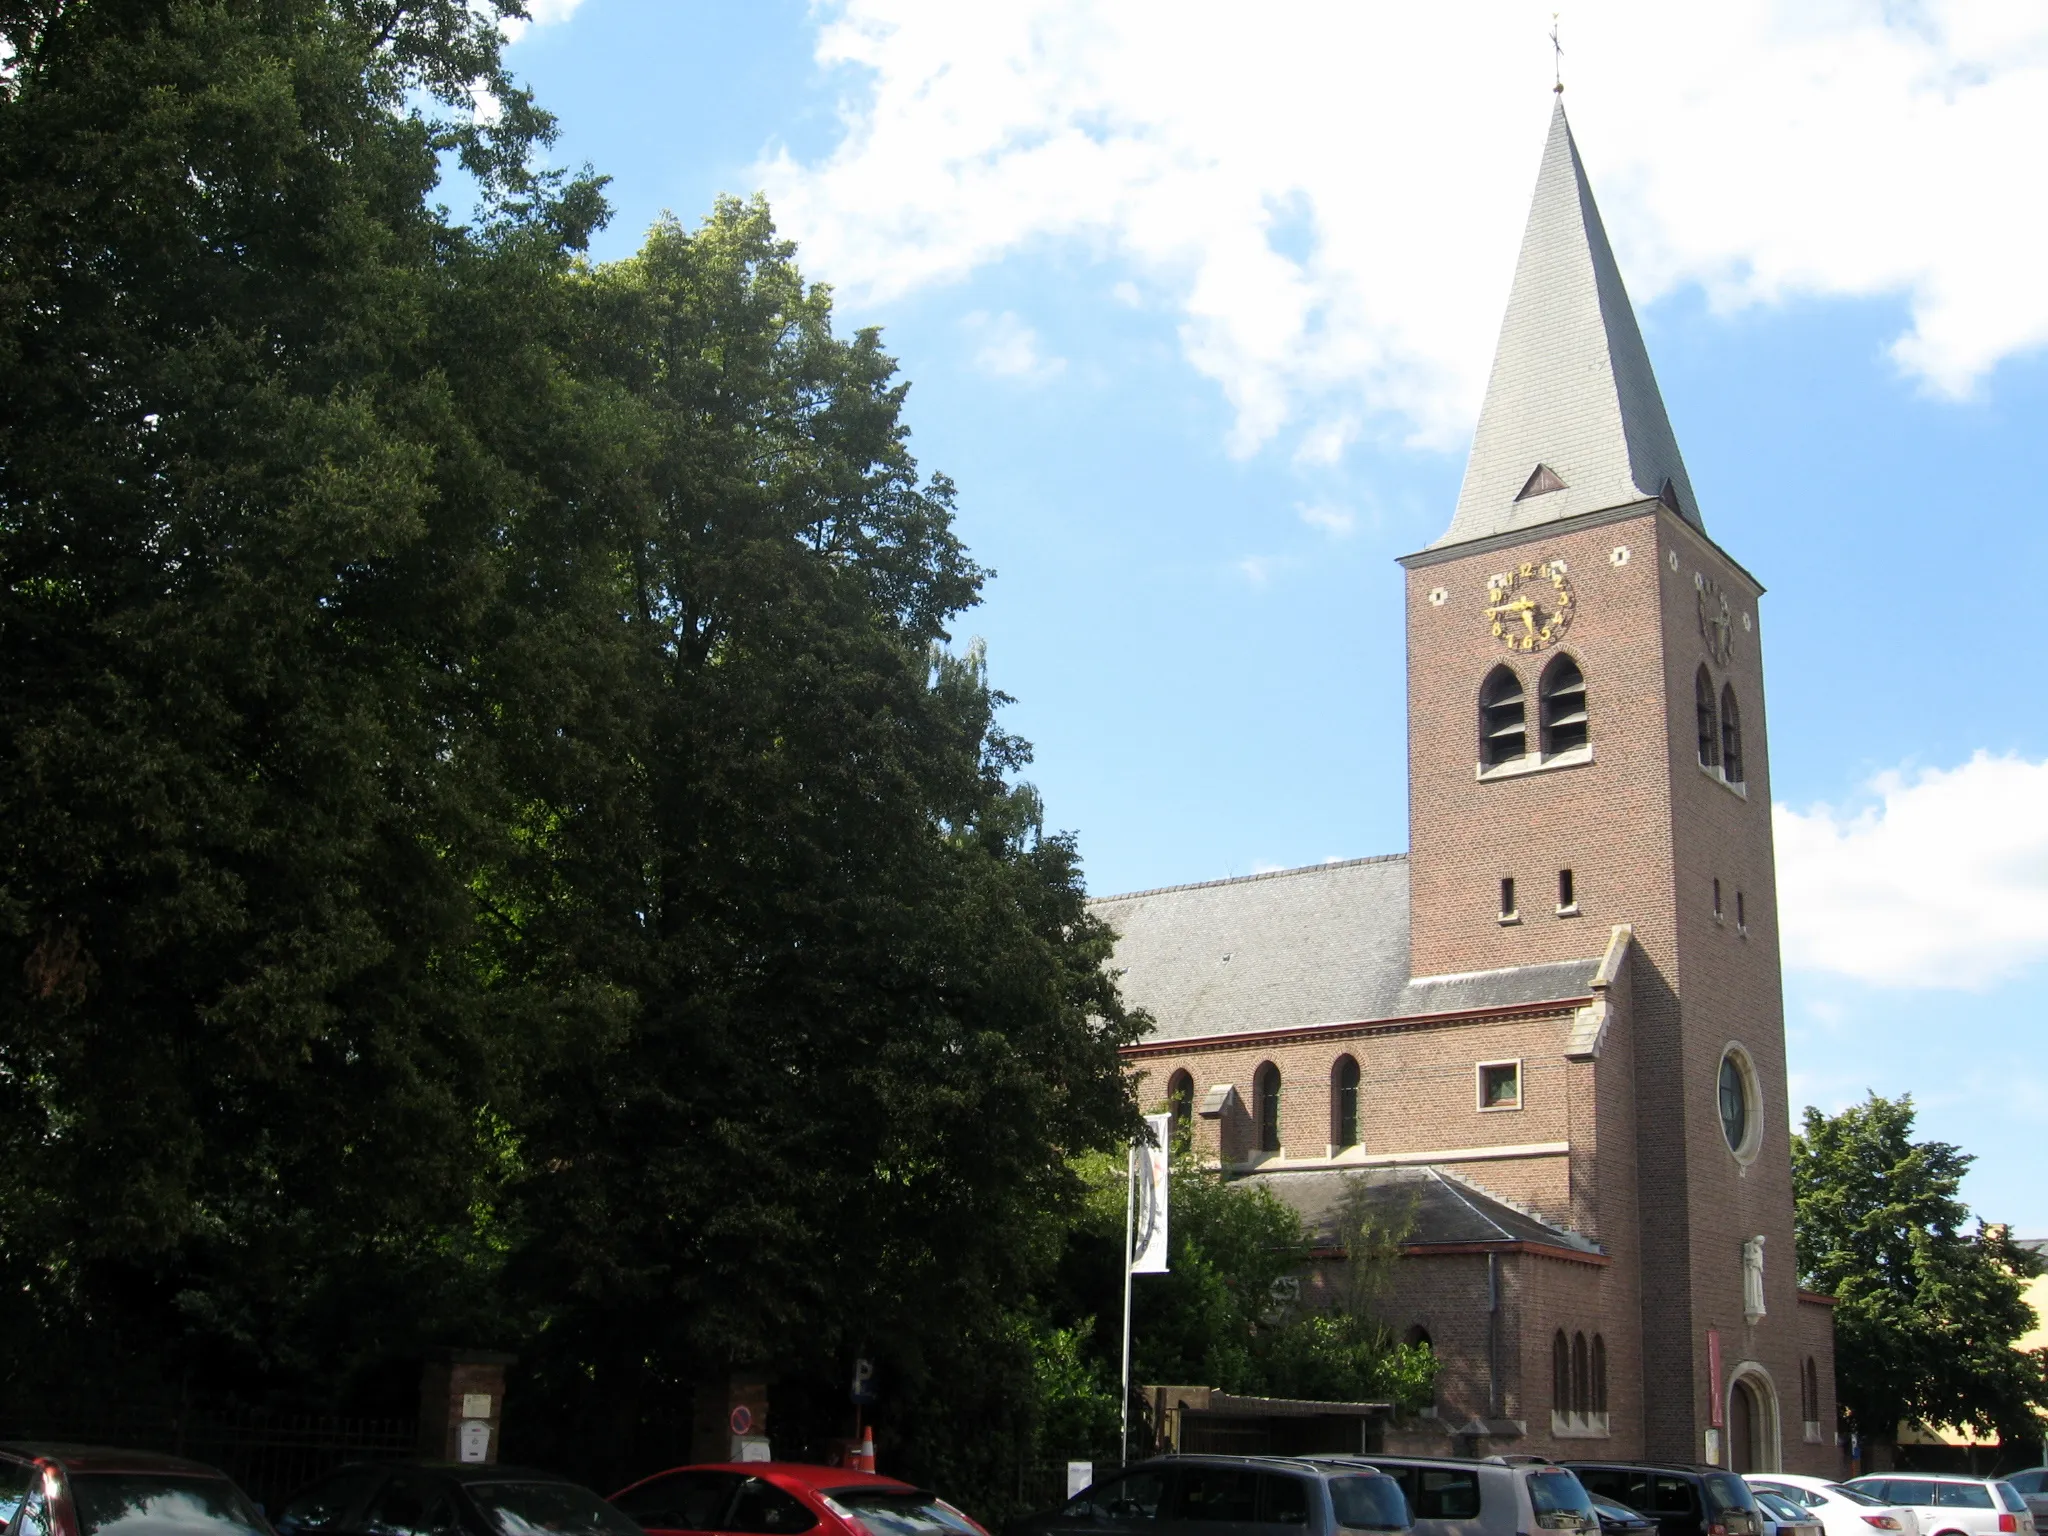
[(1198, 300)]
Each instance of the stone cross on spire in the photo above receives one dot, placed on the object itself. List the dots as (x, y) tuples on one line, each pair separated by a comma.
[(1573, 421)]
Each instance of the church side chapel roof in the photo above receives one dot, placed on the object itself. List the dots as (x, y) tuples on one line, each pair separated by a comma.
[(1325, 944), (1446, 1210), (1573, 420)]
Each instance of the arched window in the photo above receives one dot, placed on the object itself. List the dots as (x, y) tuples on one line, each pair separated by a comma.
[(1809, 1391), (1731, 737), (1418, 1338), (1562, 694), (1266, 1105), (1561, 1373), (1710, 724), (1180, 1103), (1503, 722), (1582, 1375), (1599, 1404), (1344, 1103)]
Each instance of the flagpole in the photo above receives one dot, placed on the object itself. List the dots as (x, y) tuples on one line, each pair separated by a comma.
[(1130, 1186)]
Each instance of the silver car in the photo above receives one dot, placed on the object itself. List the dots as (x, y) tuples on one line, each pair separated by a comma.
[(1953, 1506), (1493, 1497)]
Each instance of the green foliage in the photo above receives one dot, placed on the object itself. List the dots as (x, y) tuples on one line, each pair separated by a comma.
[(1926, 1313), (501, 847)]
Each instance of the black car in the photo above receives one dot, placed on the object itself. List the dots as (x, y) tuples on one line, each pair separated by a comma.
[(83, 1490), (1619, 1519), (1253, 1495), (1684, 1500), (438, 1499)]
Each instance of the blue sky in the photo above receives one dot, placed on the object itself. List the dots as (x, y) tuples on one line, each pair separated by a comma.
[(1197, 312)]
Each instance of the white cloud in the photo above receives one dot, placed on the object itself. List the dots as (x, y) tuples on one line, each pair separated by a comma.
[(539, 13), (1259, 570), (1007, 348), (1331, 194), (1334, 521), (1943, 882)]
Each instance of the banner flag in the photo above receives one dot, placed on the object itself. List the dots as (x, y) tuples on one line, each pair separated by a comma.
[(1149, 1161)]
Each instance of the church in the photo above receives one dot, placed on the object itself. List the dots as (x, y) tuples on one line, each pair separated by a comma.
[(1551, 1035)]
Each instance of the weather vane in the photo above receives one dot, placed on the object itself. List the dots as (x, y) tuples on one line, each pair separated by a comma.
[(1556, 56)]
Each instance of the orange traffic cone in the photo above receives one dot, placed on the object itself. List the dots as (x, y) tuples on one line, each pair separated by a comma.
[(864, 1458)]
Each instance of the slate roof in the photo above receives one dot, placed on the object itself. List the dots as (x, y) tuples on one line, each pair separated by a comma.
[(1274, 951), (1325, 944), (1572, 388), (1446, 1210)]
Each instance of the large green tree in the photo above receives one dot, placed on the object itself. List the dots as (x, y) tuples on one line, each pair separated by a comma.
[(869, 1021), (252, 535), (1927, 1310)]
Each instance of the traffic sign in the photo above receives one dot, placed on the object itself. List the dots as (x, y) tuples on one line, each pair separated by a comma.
[(863, 1381)]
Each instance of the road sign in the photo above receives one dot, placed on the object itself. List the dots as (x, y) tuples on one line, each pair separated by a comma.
[(742, 1420), (863, 1381)]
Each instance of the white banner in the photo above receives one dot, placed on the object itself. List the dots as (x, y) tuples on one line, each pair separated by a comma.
[(1149, 1164)]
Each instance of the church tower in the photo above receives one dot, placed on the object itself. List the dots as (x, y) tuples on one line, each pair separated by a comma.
[(1587, 757)]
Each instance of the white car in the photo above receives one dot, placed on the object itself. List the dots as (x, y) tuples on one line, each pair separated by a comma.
[(1841, 1511), (1953, 1506)]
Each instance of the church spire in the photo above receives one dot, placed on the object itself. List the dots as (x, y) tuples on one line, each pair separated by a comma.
[(1573, 421)]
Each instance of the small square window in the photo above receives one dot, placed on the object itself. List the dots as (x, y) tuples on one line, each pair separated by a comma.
[(1500, 1085)]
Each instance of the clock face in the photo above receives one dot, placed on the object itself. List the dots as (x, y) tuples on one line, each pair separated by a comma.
[(1717, 622), (1531, 605)]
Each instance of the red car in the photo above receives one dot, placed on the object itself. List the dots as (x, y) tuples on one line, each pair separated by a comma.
[(785, 1498)]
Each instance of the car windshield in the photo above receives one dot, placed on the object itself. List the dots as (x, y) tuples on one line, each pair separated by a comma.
[(548, 1509), (1369, 1504), (1725, 1492), (1855, 1496), (1559, 1499), (900, 1512), (2009, 1496), (157, 1504)]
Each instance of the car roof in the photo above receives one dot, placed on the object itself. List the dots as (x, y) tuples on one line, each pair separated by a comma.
[(808, 1473), (107, 1458), (1694, 1467), (1223, 1459)]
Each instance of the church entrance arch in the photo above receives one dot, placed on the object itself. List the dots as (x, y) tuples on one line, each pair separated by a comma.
[(1753, 1437)]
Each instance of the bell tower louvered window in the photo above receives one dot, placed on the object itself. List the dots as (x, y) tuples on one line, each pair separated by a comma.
[(1563, 696), (1503, 719), (1709, 719), (1731, 737)]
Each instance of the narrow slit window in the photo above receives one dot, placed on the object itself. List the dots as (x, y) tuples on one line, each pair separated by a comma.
[(1599, 1403), (1731, 737), (1582, 1375), (1507, 895), (1503, 719), (1567, 891), (1717, 899), (1741, 911), (1560, 1373), (1563, 713), (1344, 1095), (1266, 1095), (1180, 1103), (1709, 719)]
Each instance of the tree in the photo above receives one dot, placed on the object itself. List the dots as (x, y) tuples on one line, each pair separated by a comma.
[(1926, 1312), (864, 1019), (251, 536)]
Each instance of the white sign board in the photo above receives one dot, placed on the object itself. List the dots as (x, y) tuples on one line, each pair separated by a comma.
[(750, 1448), (476, 1405), (1079, 1475), (1149, 1162), (473, 1442)]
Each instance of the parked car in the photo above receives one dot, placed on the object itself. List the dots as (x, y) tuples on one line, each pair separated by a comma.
[(1841, 1511), (1620, 1520), (439, 1499), (782, 1498), (1495, 1497), (1684, 1500), (1255, 1495), (70, 1490), (2032, 1485), (1953, 1506), (1783, 1516)]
